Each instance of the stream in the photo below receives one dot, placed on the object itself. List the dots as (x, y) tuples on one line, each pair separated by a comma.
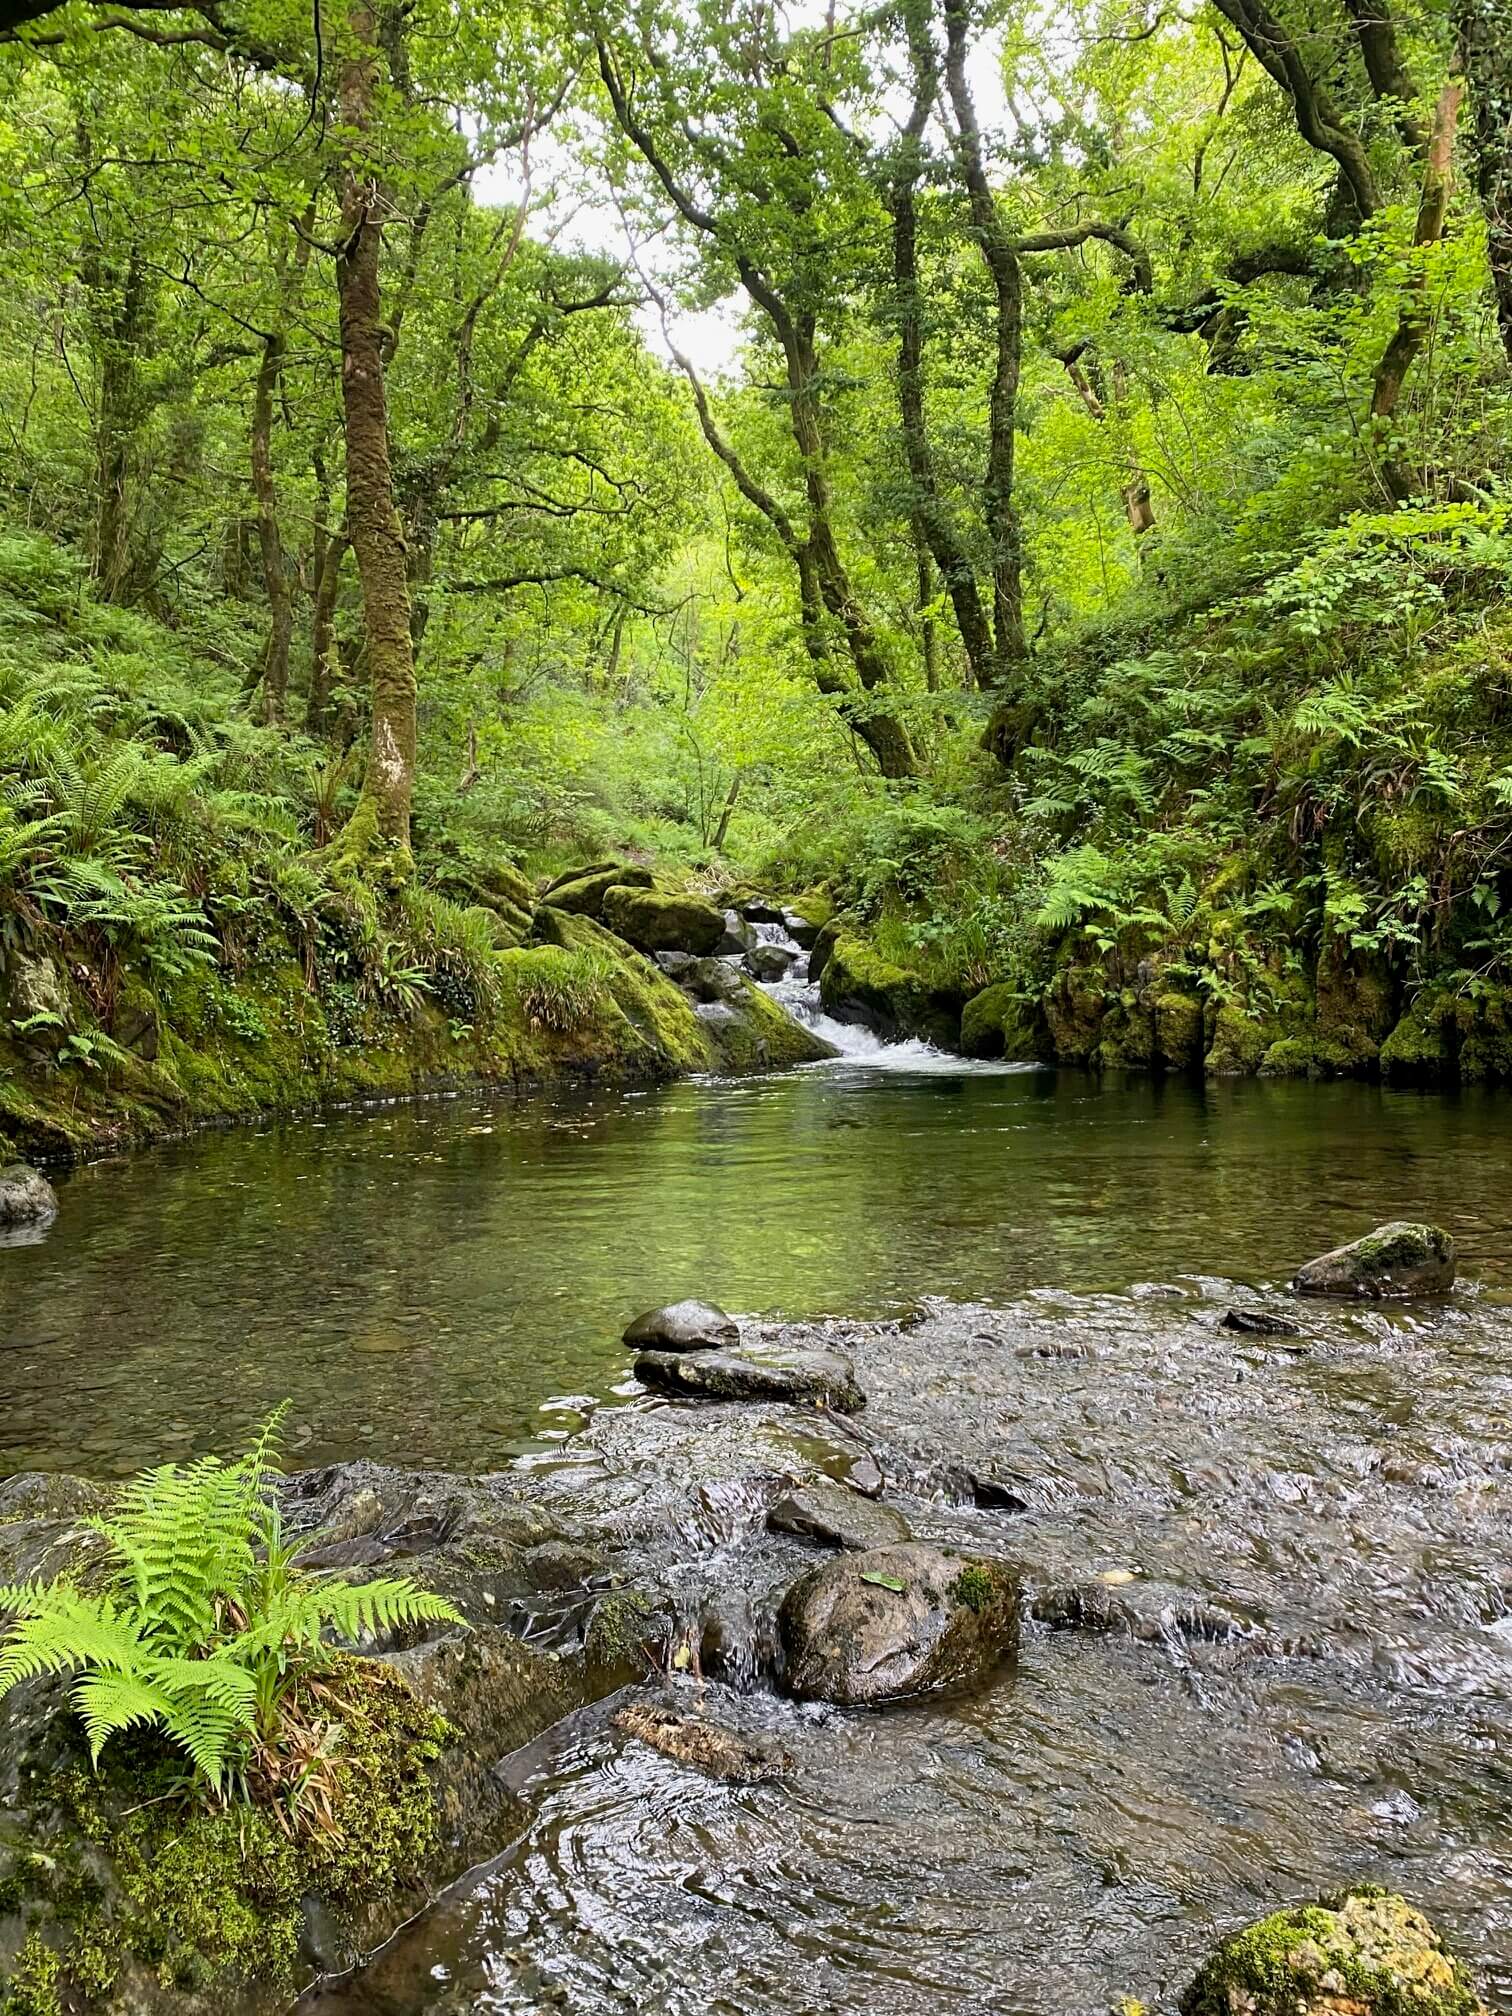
[(1313, 1532)]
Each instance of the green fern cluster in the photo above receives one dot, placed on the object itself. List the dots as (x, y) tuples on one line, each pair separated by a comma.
[(204, 1623)]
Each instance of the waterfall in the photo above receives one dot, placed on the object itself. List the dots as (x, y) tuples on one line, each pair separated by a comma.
[(858, 1047)]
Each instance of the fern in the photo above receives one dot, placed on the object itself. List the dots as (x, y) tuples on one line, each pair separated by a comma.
[(205, 1624)]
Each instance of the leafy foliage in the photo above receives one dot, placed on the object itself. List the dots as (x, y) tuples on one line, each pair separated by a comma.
[(200, 1622)]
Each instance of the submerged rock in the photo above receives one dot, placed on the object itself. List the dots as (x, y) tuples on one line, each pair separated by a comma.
[(1361, 1953), (1259, 1323), (26, 1196), (896, 1621), (691, 1738), (837, 1516), (1396, 1259), (754, 1372), (655, 922), (683, 1326)]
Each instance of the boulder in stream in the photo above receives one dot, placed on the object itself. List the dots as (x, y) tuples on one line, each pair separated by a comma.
[(1394, 1260), (770, 962), (1363, 1952), (683, 1326), (761, 1371), (26, 1196), (836, 1516), (1259, 1323), (894, 1622)]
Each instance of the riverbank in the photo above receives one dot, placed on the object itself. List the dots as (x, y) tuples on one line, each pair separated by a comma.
[(1260, 1655)]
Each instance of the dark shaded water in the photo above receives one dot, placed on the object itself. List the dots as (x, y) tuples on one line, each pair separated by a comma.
[(422, 1279)]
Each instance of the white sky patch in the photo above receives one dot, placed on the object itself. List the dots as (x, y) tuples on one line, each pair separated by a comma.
[(710, 338)]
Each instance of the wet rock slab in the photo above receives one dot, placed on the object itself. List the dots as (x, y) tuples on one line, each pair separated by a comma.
[(689, 1735), (894, 1622), (836, 1516), (759, 1371)]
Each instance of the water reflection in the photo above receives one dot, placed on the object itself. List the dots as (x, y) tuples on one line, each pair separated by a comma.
[(420, 1279)]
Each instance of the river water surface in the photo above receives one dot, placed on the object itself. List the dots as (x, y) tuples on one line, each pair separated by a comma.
[(1313, 1534)]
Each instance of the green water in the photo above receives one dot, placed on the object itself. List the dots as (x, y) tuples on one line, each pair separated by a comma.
[(443, 1280)]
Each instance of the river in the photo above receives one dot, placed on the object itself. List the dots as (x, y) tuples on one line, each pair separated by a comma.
[(1317, 1532)]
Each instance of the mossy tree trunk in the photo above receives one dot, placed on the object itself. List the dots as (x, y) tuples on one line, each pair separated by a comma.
[(372, 517)]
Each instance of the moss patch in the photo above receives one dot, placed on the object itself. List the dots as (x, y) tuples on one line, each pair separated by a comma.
[(1364, 1951)]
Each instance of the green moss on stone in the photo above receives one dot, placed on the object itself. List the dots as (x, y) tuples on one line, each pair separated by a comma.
[(1364, 1951), (976, 1587), (1002, 1022)]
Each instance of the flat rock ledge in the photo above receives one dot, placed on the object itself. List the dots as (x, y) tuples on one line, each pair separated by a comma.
[(760, 1371), (1398, 1259), (894, 1622), (836, 1515)]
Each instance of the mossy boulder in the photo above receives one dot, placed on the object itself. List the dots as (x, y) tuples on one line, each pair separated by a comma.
[(857, 984), (1074, 1008), (1420, 1048), (583, 895), (1361, 1953), (896, 1621), (752, 1032), (655, 921), (1398, 1259), (1002, 1022), (1178, 1030)]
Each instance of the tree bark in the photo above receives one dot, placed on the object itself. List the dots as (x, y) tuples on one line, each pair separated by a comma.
[(119, 324), (1485, 30), (275, 673), (1412, 327), (1007, 275), (372, 518), (323, 657)]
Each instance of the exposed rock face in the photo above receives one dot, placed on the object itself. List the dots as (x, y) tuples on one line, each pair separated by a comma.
[(691, 1738), (836, 1516), (655, 922), (683, 1326), (1396, 1259), (35, 987), (26, 1196), (802, 930), (896, 1621), (739, 937), (755, 1372), (1363, 1953)]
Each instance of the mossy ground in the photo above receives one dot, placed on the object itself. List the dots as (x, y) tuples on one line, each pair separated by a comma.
[(125, 1879)]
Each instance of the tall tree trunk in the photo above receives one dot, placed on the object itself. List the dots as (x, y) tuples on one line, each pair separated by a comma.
[(1007, 275), (1412, 326), (932, 518), (119, 321), (372, 519), (323, 658), (1486, 51), (275, 675)]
